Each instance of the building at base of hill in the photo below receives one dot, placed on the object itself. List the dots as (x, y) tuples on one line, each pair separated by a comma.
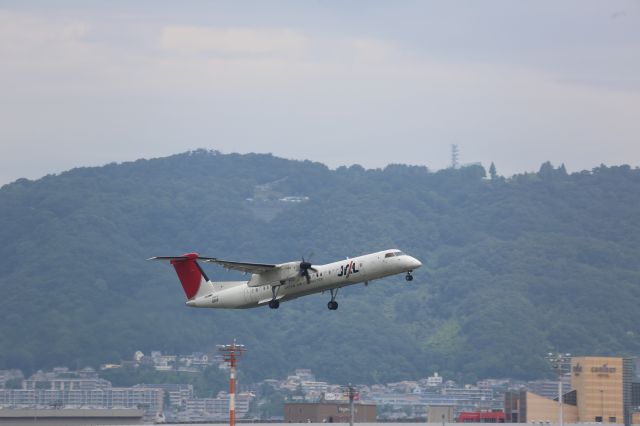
[(326, 412), (66, 417), (527, 407), (441, 413), (601, 392)]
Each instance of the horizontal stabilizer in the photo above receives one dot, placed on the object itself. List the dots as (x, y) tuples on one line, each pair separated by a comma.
[(188, 256)]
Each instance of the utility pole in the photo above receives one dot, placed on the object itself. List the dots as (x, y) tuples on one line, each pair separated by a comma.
[(352, 395), (350, 391), (230, 354), (558, 363)]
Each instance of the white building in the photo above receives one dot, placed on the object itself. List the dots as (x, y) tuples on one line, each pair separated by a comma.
[(150, 399), (434, 381), (212, 409)]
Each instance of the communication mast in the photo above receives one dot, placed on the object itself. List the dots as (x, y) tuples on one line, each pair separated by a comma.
[(454, 156), (230, 354)]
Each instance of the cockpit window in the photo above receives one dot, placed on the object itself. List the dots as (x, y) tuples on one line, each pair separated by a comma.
[(398, 253), (389, 255)]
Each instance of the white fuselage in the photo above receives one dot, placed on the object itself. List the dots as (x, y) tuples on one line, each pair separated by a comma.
[(238, 294)]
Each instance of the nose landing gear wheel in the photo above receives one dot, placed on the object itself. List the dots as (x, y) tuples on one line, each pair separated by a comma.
[(409, 277), (274, 304)]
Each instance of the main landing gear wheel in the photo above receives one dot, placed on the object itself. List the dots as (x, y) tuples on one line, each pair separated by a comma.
[(275, 303), (333, 305), (409, 277)]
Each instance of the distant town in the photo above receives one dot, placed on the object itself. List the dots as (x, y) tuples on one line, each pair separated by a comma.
[(62, 388)]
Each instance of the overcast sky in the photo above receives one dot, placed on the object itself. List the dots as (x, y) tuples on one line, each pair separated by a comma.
[(358, 82)]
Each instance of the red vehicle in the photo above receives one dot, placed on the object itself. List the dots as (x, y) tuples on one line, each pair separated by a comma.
[(481, 417)]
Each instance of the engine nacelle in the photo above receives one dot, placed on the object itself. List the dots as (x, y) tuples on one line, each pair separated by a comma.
[(282, 272)]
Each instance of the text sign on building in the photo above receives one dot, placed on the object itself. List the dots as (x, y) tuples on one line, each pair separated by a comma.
[(602, 370), (605, 369)]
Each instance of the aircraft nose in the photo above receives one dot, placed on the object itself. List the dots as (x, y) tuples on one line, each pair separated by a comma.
[(415, 263), (190, 303)]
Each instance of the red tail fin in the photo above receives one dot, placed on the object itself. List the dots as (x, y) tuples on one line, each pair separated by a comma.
[(189, 272)]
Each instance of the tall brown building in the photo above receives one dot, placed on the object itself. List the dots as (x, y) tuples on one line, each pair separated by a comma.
[(328, 412), (599, 385), (601, 391), (603, 387)]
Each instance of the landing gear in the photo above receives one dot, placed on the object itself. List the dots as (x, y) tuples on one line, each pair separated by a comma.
[(408, 277), (274, 303), (333, 305)]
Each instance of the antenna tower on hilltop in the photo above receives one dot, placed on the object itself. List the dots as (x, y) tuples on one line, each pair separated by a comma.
[(454, 156)]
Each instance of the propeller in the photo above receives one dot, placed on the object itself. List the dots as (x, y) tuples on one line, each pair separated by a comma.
[(304, 269)]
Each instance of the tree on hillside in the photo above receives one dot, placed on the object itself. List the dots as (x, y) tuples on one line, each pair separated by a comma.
[(492, 171)]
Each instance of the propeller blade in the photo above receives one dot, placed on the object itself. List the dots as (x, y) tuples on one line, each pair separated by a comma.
[(305, 273), (304, 269)]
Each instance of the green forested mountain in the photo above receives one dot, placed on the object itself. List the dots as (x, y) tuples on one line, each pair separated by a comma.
[(513, 267)]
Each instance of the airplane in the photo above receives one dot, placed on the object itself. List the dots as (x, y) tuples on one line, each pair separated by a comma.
[(274, 283)]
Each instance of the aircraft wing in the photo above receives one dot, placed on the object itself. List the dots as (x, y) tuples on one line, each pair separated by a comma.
[(252, 268)]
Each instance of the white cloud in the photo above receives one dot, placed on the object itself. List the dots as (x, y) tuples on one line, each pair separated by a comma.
[(26, 39), (239, 41), (20, 33), (372, 50), (85, 90)]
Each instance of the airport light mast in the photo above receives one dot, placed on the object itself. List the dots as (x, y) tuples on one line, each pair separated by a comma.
[(558, 363), (230, 354), (351, 392)]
